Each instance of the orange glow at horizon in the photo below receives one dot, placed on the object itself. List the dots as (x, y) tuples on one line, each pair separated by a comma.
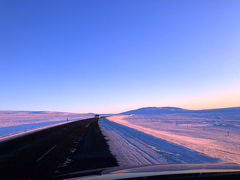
[(195, 101), (211, 101)]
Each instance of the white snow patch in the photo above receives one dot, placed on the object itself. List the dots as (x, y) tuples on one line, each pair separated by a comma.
[(159, 139), (132, 147), (16, 123)]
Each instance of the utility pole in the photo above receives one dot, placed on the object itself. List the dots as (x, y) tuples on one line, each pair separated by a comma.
[(227, 133)]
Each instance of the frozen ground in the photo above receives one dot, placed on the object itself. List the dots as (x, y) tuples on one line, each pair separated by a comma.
[(18, 122), (176, 137)]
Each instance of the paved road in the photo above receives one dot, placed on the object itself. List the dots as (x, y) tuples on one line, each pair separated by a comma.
[(54, 152)]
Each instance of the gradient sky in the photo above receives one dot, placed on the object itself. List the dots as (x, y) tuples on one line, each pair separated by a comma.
[(108, 56)]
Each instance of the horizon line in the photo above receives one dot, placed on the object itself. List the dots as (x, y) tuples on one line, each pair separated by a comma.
[(228, 107)]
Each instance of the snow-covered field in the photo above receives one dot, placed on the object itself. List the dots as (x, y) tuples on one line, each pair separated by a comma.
[(174, 137), (18, 122)]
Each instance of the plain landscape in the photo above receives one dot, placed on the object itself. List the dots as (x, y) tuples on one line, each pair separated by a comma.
[(173, 135), (19, 122), (150, 135)]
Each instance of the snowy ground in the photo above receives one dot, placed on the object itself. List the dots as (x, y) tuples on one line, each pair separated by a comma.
[(173, 138), (18, 122)]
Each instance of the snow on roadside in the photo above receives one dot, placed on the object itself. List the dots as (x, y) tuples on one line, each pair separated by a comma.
[(132, 147), (15, 123), (216, 138), (22, 133)]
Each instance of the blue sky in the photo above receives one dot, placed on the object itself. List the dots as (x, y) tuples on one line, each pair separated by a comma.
[(115, 55)]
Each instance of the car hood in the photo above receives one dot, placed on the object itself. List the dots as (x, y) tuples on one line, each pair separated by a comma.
[(152, 170), (173, 167)]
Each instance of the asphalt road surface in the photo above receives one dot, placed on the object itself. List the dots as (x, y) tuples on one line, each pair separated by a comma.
[(56, 153)]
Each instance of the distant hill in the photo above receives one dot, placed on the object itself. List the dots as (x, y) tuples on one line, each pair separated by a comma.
[(155, 110), (18, 117), (171, 110)]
